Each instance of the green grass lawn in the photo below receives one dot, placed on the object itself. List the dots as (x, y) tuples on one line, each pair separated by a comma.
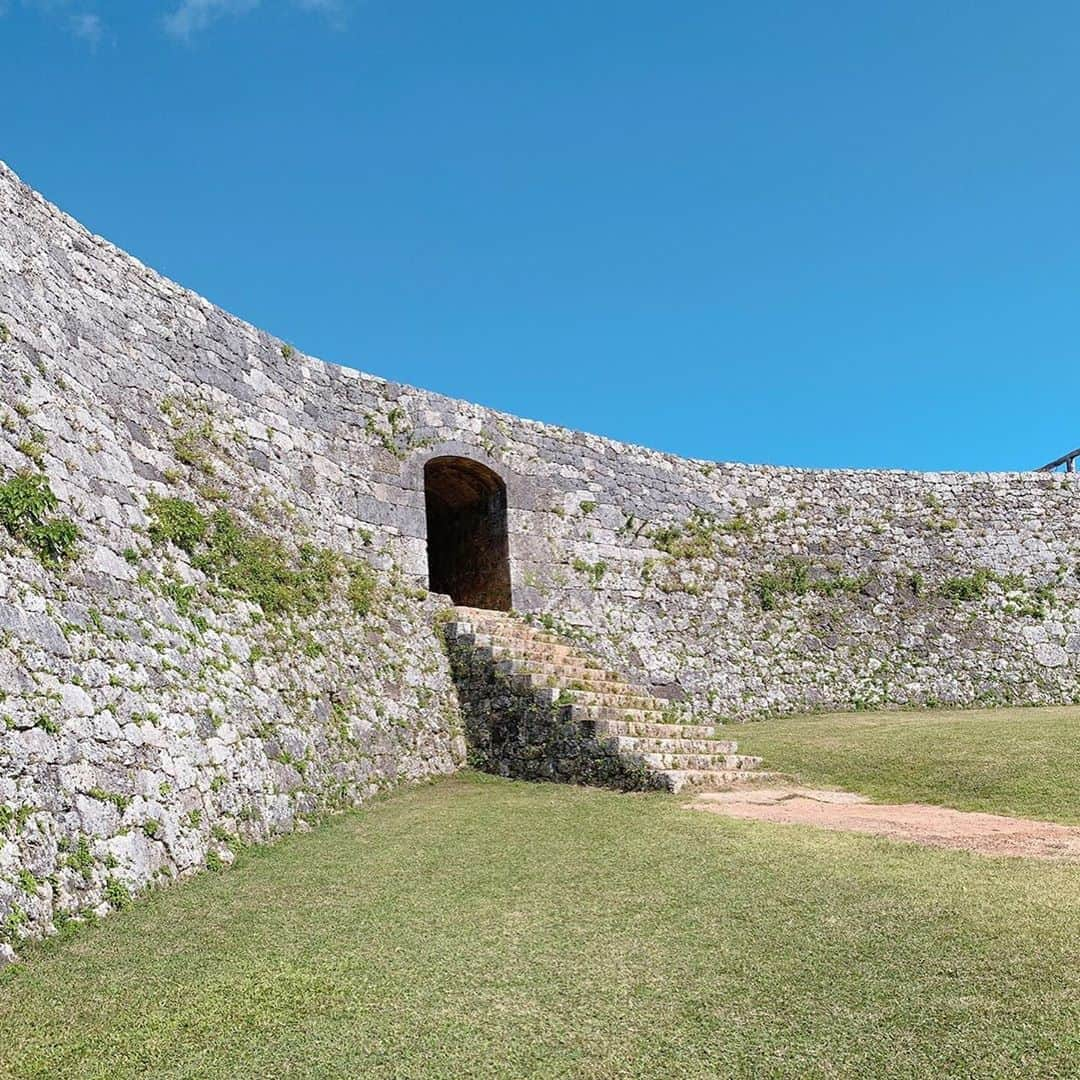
[(484, 928), (1022, 762)]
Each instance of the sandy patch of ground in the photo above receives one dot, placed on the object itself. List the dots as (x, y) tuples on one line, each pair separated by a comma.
[(938, 826)]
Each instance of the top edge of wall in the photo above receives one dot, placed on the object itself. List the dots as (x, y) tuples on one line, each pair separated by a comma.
[(13, 186)]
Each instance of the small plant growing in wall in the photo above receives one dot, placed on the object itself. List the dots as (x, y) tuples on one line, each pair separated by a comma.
[(396, 441), (176, 521), (121, 802), (241, 562), (593, 571), (970, 587), (795, 576), (1023, 599), (180, 594), (12, 924), (117, 894), (190, 449), (81, 858), (696, 537), (27, 503), (360, 591), (34, 448)]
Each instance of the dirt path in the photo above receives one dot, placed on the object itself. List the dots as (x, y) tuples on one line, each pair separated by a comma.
[(987, 834)]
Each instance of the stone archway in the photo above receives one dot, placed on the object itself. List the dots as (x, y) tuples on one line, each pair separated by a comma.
[(467, 543)]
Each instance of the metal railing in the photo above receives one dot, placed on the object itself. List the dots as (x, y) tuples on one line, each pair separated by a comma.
[(1068, 460)]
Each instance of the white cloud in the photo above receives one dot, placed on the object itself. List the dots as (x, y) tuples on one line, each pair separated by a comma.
[(186, 20), (87, 26), (331, 10), (74, 16), (195, 15)]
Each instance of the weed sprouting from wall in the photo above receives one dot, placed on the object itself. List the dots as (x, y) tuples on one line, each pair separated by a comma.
[(27, 503), (696, 537), (242, 563), (177, 521), (593, 571), (796, 576), (360, 591), (1020, 597)]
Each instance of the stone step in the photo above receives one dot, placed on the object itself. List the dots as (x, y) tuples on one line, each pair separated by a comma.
[(587, 673), (624, 702), (606, 688), (638, 724), (711, 779), (583, 691), (590, 678), (510, 628), (636, 744), (542, 655), (505, 621), (701, 762), (547, 653), (520, 633), (501, 650), (596, 714), (627, 717), (555, 665), (586, 692)]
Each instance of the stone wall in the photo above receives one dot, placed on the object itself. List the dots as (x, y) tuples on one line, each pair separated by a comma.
[(162, 701), (154, 711), (747, 590)]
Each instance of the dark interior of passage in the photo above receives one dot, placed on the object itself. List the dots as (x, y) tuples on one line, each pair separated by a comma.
[(468, 550)]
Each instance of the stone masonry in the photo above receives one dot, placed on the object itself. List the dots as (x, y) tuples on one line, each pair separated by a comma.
[(165, 697), (536, 707)]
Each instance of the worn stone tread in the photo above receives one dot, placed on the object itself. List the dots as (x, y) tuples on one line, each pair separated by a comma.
[(704, 780), (643, 745)]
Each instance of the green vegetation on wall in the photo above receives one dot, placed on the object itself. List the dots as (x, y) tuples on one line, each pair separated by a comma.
[(27, 503), (253, 566), (796, 576), (696, 537), (1022, 598)]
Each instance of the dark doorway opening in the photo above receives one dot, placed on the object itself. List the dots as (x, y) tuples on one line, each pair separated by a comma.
[(468, 549)]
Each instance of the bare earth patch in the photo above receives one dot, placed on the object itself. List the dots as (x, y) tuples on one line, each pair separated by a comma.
[(937, 826)]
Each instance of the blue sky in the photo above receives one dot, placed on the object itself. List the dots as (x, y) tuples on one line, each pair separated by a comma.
[(816, 234)]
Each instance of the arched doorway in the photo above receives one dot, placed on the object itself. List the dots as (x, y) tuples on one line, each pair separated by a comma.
[(468, 549)]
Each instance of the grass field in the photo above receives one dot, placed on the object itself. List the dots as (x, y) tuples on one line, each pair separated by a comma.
[(1022, 762), (484, 928)]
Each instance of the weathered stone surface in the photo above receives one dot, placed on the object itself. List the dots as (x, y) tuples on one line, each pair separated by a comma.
[(733, 589), (1050, 655), (139, 736)]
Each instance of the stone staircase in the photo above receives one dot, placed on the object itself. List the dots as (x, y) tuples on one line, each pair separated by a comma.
[(621, 717)]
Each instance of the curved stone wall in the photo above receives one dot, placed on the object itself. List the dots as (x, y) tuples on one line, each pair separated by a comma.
[(155, 715)]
